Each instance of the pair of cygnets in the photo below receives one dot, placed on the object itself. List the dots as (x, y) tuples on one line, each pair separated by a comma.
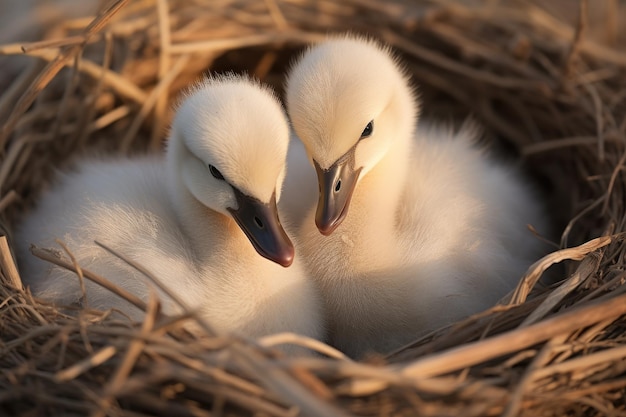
[(419, 228)]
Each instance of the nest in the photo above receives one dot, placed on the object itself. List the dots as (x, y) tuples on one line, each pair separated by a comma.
[(540, 86)]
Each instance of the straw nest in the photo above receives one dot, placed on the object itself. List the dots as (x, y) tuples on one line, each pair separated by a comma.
[(539, 85)]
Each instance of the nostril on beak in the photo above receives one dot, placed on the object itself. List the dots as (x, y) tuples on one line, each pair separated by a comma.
[(258, 222), (338, 186)]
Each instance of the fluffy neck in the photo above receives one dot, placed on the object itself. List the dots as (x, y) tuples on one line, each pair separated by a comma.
[(208, 231), (380, 190), (378, 194), (371, 220)]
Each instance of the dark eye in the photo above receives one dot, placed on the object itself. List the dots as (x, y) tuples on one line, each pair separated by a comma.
[(216, 173), (367, 132)]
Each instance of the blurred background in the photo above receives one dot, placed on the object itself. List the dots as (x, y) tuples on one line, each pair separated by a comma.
[(28, 20)]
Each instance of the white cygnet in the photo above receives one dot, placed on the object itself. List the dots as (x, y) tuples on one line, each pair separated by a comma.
[(419, 228), (203, 220)]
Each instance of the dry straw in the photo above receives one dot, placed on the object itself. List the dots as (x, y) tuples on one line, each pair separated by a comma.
[(541, 86)]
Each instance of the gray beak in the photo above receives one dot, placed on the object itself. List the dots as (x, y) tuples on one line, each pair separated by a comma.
[(336, 184), (259, 221)]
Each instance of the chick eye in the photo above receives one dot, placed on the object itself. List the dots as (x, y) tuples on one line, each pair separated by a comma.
[(367, 132), (216, 173)]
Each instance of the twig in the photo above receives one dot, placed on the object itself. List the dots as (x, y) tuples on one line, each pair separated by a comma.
[(165, 41), (540, 360), (447, 64), (603, 357), (618, 168), (8, 98), (78, 269), (186, 308), (612, 21), (587, 267), (91, 111), (577, 41), (53, 43), (281, 383), (130, 358), (536, 270), (8, 264), (474, 353), (150, 101), (560, 144), (121, 84), (92, 361), (243, 42), (313, 344), (277, 15), (53, 68), (599, 116), (8, 199), (49, 256)]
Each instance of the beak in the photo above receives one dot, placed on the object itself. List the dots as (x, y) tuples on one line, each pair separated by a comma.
[(336, 184), (259, 221)]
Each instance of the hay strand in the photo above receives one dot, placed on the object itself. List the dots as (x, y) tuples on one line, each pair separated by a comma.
[(66, 55), (54, 258), (7, 263), (471, 354)]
